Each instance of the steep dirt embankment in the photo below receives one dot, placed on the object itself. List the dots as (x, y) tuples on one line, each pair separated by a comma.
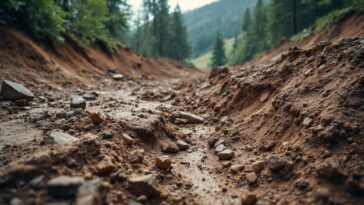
[(25, 60), (349, 25)]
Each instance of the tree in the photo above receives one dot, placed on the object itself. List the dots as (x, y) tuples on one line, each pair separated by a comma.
[(179, 49), (117, 22), (247, 20), (218, 54)]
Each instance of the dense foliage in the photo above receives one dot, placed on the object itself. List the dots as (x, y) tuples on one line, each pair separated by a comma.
[(84, 20), (161, 33), (280, 19)]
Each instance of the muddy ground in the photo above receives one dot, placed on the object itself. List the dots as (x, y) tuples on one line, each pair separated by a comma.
[(290, 132)]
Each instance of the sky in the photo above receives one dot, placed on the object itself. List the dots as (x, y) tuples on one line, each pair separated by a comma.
[(184, 4)]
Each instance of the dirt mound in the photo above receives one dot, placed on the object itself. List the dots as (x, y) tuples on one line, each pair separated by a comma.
[(25, 60), (307, 109), (348, 25)]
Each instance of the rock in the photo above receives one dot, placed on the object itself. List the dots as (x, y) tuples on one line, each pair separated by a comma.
[(264, 97), (78, 102), (188, 116), (251, 178), (108, 134), (237, 168), (137, 156), (249, 199), (89, 97), (60, 137), (38, 182), (227, 154), (212, 141), (276, 163), (118, 77), (163, 162), (16, 201), (169, 148), (13, 91), (128, 140), (105, 167), (143, 185), (258, 166), (219, 142), (353, 186), (330, 169), (307, 122), (90, 193), (21, 103), (182, 145), (220, 148), (64, 186), (96, 118), (302, 184), (323, 193)]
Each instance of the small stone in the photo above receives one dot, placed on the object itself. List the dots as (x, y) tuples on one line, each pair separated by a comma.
[(38, 182), (163, 162), (169, 148), (323, 193), (137, 156), (330, 169), (307, 122), (237, 168), (16, 201), (90, 193), (89, 97), (118, 77), (128, 140), (264, 97), (188, 116), (251, 178), (105, 167), (108, 134), (220, 148), (64, 186), (182, 145), (219, 142), (60, 137), (302, 184), (21, 103), (227, 154), (258, 166), (212, 141), (96, 118), (143, 185), (13, 91), (276, 163), (249, 199), (78, 102)]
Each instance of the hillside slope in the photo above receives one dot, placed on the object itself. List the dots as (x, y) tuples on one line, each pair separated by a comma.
[(348, 25), (25, 60)]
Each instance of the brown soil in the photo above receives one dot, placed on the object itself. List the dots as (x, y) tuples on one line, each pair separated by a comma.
[(294, 127)]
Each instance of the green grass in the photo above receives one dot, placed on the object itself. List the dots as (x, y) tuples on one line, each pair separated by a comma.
[(202, 62)]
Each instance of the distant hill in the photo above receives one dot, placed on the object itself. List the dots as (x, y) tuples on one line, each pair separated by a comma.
[(225, 16)]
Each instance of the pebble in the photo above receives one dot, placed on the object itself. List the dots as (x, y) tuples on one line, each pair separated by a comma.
[(227, 154), (182, 145), (169, 148), (258, 166), (220, 148), (143, 185), (96, 118), (78, 102), (249, 199), (307, 122), (13, 91), (251, 178), (163, 162), (330, 169), (276, 163), (237, 168), (118, 77), (64, 186), (59, 137), (128, 140), (323, 193), (137, 156)]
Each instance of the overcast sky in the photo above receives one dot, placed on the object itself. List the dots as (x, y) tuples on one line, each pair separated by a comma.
[(184, 4)]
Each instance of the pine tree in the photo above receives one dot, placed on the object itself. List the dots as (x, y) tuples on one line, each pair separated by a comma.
[(218, 54), (247, 20), (179, 49)]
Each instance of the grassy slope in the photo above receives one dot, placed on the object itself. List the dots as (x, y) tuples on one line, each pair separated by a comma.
[(202, 61)]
